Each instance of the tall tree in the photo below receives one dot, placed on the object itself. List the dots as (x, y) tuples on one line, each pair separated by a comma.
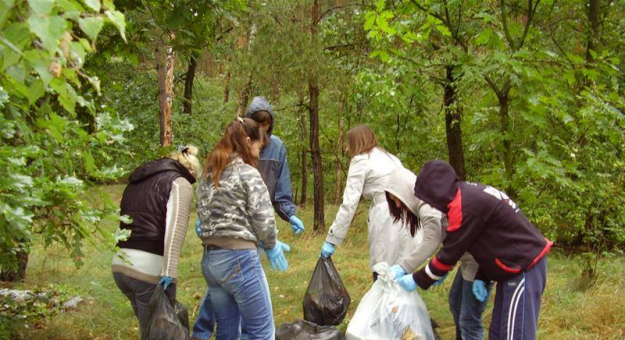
[(313, 107)]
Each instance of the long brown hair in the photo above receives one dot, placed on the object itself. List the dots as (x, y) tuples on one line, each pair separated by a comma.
[(233, 141), (360, 139), (403, 214)]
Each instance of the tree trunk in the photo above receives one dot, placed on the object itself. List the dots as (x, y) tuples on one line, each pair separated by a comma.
[(188, 85), (508, 157), (244, 98), (227, 87), (453, 115), (165, 64), (313, 90), (319, 224), (339, 156), (19, 274), (304, 155), (594, 12)]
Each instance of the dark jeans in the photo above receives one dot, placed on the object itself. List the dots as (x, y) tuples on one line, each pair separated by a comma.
[(466, 309), (139, 294)]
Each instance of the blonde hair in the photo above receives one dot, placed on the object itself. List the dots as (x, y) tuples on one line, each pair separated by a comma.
[(185, 155), (360, 139)]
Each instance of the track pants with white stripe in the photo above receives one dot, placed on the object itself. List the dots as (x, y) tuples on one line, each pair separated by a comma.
[(517, 304)]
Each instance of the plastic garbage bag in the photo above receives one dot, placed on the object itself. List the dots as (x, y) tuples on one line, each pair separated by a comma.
[(304, 330), (326, 300), (388, 312), (166, 321)]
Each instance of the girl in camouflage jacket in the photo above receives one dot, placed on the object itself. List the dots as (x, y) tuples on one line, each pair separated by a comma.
[(236, 216)]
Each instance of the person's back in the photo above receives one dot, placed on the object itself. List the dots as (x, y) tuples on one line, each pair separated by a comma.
[(158, 200), (225, 212), (379, 164), (236, 216), (368, 173), (509, 249)]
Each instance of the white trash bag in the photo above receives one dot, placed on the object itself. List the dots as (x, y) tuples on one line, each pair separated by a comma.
[(388, 312)]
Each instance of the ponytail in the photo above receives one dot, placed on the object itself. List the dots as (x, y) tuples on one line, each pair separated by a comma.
[(233, 142)]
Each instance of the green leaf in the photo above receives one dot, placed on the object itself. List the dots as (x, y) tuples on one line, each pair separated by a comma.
[(369, 20), (117, 18), (93, 4), (36, 91), (484, 37), (91, 26), (49, 29), (5, 7), (41, 7), (70, 6), (4, 97)]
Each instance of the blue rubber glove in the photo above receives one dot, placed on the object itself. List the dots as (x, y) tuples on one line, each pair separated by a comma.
[(437, 283), (285, 247), (327, 249), (276, 256), (198, 227), (407, 282), (397, 271), (479, 290), (165, 281), (297, 225)]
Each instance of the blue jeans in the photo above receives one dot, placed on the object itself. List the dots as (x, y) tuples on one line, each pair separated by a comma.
[(204, 325), (466, 309), (238, 290)]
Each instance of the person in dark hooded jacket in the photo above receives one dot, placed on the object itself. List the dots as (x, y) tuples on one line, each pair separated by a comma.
[(508, 248), (158, 199)]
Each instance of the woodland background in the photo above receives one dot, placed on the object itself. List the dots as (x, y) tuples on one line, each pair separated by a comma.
[(526, 96)]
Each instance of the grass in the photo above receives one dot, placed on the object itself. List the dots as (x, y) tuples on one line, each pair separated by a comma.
[(567, 312)]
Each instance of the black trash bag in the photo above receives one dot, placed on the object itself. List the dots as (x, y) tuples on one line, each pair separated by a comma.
[(326, 300), (166, 321), (304, 330)]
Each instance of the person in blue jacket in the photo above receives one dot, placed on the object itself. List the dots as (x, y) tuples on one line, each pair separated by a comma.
[(274, 168)]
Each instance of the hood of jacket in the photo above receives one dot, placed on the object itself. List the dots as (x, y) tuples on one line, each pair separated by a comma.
[(400, 184), (437, 184), (261, 104), (160, 165)]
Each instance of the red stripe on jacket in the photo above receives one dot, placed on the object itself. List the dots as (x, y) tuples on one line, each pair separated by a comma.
[(441, 266), (542, 253), (455, 212)]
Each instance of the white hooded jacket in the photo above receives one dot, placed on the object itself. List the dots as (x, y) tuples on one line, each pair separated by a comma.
[(367, 177), (431, 221)]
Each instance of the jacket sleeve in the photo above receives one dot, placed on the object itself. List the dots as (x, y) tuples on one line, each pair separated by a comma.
[(259, 208), (461, 233), (284, 193), (351, 197), (177, 222), (430, 220)]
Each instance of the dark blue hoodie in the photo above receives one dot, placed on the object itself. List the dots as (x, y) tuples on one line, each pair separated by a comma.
[(274, 166), (482, 221)]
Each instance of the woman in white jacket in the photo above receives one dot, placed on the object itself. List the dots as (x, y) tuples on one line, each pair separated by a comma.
[(369, 170), (417, 215)]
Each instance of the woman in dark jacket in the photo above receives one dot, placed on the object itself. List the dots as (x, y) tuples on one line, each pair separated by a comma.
[(158, 200)]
